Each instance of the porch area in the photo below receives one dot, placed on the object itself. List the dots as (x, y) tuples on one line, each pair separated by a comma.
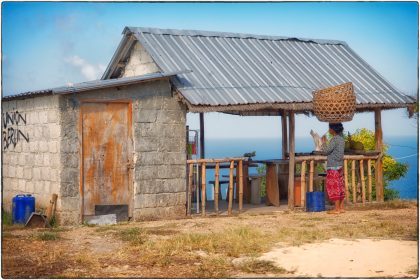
[(287, 179)]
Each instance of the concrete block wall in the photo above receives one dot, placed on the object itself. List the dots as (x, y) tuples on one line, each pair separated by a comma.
[(69, 206), (31, 145), (139, 63), (49, 162), (159, 176)]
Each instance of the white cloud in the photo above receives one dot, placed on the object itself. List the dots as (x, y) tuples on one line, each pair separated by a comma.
[(88, 70)]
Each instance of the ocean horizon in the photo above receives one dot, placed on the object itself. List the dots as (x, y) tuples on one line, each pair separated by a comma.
[(403, 148)]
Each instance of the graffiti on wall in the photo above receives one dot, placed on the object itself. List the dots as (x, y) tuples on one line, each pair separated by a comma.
[(12, 133)]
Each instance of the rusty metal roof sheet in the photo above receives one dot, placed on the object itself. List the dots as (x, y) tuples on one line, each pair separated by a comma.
[(96, 84), (236, 69)]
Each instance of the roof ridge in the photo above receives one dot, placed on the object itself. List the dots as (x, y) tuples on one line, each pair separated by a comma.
[(196, 33)]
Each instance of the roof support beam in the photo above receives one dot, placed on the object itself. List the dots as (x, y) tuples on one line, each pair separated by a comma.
[(291, 185), (202, 147), (284, 133), (378, 164)]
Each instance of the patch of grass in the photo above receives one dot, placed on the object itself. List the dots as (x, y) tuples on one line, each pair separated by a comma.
[(312, 218), (261, 267), (213, 267), (54, 222), (85, 260), (387, 205), (106, 228), (135, 236), (161, 231), (231, 242), (55, 229), (6, 218), (86, 224), (8, 235), (47, 236), (181, 249)]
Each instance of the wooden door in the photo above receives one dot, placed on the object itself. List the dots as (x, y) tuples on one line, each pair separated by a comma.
[(106, 151)]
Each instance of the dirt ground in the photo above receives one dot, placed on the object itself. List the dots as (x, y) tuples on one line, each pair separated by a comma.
[(278, 244), (338, 258)]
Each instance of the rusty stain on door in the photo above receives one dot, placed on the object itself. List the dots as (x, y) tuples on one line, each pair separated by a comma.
[(106, 155)]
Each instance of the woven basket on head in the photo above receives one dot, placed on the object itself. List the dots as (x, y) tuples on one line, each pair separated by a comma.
[(335, 104)]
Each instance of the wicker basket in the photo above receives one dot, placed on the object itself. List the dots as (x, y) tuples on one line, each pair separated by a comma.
[(335, 104)]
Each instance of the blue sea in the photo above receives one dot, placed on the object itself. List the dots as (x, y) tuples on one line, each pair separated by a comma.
[(404, 149)]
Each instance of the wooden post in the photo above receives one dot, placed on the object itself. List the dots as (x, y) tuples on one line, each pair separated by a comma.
[(202, 147), (369, 180), (190, 184), (362, 179), (232, 164), (291, 184), (216, 188), (353, 179), (241, 185), (378, 166), (346, 183), (203, 189), (51, 207), (284, 134), (272, 185), (303, 183), (246, 183), (311, 176)]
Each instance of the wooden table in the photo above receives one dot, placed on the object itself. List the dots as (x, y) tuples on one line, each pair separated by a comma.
[(272, 180)]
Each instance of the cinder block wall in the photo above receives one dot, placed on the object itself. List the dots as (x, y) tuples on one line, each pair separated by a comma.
[(159, 150), (31, 149)]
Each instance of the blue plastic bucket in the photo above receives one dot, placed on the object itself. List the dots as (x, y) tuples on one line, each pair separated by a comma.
[(23, 206), (315, 201)]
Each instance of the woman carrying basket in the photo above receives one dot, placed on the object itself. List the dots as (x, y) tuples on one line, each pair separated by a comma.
[(335, 158)]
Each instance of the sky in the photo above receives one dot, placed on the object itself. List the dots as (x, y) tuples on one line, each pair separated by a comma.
[(49, 44)]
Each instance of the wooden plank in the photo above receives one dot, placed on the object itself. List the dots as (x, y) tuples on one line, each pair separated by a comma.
[(190, 184), (378, 165), (203, 189), (216, 188), (311, 176), (346, 181), (324, 158), (284, 134), (353, 179), (230, 188), (272, 187), (362, 179), (369, 180), (291, 184), (241, 185), (208, 160), (303, 183)]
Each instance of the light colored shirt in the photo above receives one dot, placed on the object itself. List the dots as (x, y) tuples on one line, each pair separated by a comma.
[(334, 151)]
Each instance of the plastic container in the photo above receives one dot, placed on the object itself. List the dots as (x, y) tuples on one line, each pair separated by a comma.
[(315, 201), (22, 208)]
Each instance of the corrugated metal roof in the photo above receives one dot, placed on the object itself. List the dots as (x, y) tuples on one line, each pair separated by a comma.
[(235, 69), (96, 84)]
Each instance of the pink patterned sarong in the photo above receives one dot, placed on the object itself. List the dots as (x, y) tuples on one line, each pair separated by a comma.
[(335, 185)]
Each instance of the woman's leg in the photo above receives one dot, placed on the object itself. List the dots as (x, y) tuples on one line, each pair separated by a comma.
[(337, 208), (342, 206), (337, 205)]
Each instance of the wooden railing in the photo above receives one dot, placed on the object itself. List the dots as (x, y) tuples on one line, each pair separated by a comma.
[(348, 160), (203, 162)]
